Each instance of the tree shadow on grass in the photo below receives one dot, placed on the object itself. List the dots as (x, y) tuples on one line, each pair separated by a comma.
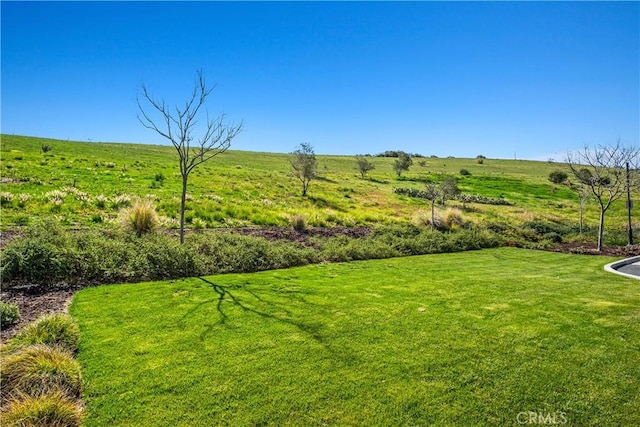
[(225, 295)]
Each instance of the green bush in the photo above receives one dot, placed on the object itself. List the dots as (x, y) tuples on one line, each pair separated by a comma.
[(464, 172), (52, 329), (558, 177), (52, 410), (40, 369), (299, 222), (163, 257), (553, 237), (110, 255), (9, 314), (44, 255)]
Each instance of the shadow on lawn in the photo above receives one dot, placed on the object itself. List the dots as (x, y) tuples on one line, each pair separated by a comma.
[(225, 294)]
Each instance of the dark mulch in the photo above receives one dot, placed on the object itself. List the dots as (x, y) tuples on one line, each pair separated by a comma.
[(304, 237), (591, 249), (34, 302)]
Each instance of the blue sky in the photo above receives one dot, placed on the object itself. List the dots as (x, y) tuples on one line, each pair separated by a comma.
[(502, 79)]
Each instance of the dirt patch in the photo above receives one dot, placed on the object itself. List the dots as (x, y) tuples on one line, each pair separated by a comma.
[(591, 249), (304, 237), (33, 302)]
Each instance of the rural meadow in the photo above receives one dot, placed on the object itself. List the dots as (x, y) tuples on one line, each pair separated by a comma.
[(389, 223)]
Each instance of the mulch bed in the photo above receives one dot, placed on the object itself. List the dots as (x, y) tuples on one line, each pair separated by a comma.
[(33, 302)]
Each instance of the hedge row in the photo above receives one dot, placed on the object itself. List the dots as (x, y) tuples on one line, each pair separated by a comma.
[(48, 254)]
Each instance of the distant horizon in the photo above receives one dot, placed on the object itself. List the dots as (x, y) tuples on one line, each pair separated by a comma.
[(524, 80)]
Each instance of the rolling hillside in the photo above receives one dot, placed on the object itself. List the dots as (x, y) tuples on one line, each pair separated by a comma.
[(83, 183)]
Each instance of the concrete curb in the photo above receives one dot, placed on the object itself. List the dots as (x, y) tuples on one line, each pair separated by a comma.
[(613, 267)]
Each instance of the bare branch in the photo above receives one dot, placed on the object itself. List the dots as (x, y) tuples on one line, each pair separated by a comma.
[(178, 126)]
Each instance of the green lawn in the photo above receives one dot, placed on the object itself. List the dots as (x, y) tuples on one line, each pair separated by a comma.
[(473, 338)]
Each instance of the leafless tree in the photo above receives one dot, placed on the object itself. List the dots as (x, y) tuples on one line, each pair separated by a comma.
[(601, 170), (178, 125), (432, 192)]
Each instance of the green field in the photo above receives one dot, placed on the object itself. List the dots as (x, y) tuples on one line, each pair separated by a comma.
[(474, 338), (94, 181)]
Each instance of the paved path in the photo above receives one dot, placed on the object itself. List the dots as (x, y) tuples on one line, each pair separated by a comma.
[(629, 267)]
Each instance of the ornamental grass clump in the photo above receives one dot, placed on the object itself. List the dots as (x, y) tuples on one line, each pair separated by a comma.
[(52, 329), (40, 369), (452, 218), (141, 218), (52, 410)]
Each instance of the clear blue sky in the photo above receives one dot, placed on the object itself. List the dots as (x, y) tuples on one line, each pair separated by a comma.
[(532, 79)]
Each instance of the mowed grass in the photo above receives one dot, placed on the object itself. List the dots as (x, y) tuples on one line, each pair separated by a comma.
[(472, 338), (242, 188)]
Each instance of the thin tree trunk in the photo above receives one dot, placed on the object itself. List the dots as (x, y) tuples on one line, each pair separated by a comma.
[(581, 208), (183, 203), (433, 214), (600, 229)]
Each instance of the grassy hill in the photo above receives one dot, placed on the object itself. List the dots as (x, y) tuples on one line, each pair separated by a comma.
[(85, 182)]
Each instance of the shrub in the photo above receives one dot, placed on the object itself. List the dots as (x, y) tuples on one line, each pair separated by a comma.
[(121, 200), (54, 409), (163, 257), (6, 197), (553, 237), (558, 177), (101, 201), (141, 218), (299, 222), (9, 314), (421, 218), (45, 148), (52, 329), (198, 223), (464, 172), (44, 255), (452, 218), (40, 369)]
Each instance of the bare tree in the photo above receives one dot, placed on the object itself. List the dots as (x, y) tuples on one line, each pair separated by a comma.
[(363, 165), (601, 170), (583, 194), (178, 125), (304, 165), (432, 192)]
